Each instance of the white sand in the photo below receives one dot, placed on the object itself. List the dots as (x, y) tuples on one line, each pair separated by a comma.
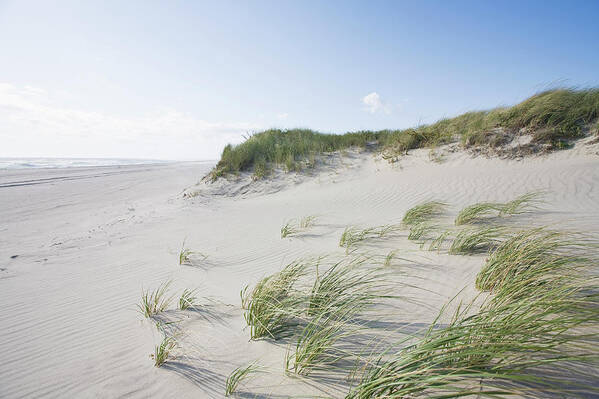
[(87, 240)]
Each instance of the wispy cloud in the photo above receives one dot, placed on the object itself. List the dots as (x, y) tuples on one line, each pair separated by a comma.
[(29, 121), (373, 103), (282, 116)]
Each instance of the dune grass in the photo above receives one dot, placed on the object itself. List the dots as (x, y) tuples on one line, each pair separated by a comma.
[(163, 351), (553, 117), (437, 242), (472, 240), (156, 301), (389, 258), (188, 299), (353, 235), (238, 375), (273, 303), (296, 226), (521, 204), (538, 252), (421, 230), (307, 221), (537, 330), (345, 282), (423, 212), (315, 347), (289, 229), (517, 343), (186, 254), (478, 212)]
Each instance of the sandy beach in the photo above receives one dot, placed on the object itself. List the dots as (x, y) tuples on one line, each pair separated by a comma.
[(78, 246)]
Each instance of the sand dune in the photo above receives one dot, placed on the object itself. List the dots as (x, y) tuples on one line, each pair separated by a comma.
[(77, 246)]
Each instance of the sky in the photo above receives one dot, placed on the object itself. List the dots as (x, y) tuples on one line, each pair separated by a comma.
[(181, 79)]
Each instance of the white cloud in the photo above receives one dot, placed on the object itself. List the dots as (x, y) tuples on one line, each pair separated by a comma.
[(283, 116), (31, 125), (373, 103)]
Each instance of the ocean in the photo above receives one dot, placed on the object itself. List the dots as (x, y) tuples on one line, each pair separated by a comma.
[(41, 163)]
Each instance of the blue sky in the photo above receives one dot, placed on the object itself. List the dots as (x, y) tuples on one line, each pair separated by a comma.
[(178, 80)]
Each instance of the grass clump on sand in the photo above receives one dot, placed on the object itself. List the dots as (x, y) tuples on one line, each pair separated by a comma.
[(238, 375), (315, 347), (344, 290), (477, 212), (273, 304), (188, 299), (289, 229), (537, 252), (293, 226), (474, 240), (423, 212), (153, 302), (346, 282), (420, 231), (353, 235), (526, 339), (437, 242), (186, 254), (389, 258), (163, 351), (521, 204), (553, 117), (529, 338)]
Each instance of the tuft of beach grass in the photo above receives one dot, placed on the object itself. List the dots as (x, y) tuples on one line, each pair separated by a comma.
[(423, 212), (156, 301), (295, 226), (188, 299), (238, 375), (351, 236), (421, 230), (478, 212), (472, 240), (163, 351), (537, 252), (274, 302)]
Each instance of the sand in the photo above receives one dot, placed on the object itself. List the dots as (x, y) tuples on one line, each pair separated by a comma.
[(78, 245)]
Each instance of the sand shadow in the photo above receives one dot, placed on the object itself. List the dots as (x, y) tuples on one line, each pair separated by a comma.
[(208, 381)]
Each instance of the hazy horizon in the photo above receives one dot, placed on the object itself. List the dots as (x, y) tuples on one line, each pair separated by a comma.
[(178, 81)]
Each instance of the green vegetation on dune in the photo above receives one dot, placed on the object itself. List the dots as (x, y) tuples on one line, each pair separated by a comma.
[(526, 339), (551, 117), (286, 147)]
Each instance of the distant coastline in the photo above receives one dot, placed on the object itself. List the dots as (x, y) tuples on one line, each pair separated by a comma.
[(47, 163)]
